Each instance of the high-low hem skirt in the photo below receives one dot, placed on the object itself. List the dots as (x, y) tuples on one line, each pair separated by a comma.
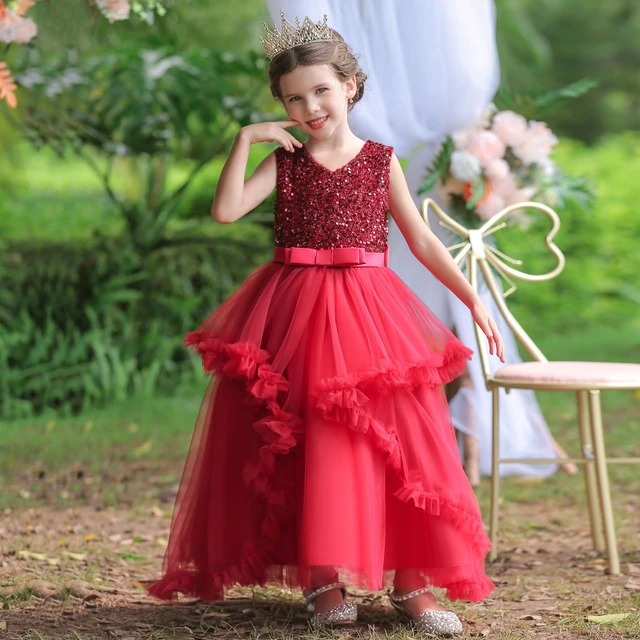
[(324, 439)]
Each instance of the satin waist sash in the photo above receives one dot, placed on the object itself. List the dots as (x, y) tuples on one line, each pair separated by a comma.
[(337, 257)]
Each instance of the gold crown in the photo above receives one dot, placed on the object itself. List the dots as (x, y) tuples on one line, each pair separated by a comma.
[(290, 36)]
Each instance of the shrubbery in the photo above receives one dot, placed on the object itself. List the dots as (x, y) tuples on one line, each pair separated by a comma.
[(83, 323)]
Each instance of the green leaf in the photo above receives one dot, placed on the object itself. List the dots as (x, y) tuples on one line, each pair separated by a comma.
[(479, 192), (611, 618), (430, 182), (535, 104), (439, 167)]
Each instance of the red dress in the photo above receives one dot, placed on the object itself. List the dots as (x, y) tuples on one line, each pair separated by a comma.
[(324, 436)]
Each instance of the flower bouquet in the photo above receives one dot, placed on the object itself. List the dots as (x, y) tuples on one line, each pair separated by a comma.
[(501, 160)]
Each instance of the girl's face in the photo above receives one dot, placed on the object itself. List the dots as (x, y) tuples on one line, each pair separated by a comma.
[(317, 99)]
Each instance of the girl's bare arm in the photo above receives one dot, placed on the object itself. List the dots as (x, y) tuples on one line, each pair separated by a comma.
[(235, 196), (426, 247)]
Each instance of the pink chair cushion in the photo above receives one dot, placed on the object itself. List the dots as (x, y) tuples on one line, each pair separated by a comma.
[(584, 373)]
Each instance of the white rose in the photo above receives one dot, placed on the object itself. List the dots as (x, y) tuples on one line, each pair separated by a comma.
[(460, 138), (26, 30), (464, 166), (7, 32), (484, 121)]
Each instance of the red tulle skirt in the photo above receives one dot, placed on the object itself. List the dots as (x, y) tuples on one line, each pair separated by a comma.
[(324, 440)]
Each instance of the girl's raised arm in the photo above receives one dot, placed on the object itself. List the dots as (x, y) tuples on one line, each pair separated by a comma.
[(235, 197), (428, 249)]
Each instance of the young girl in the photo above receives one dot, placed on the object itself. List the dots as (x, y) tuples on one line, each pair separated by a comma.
[(323, 452)]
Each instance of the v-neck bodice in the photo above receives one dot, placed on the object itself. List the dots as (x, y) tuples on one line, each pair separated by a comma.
[(320, 208), (344, 166)]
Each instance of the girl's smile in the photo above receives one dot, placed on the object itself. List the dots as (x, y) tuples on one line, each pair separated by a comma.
[(319, 123)]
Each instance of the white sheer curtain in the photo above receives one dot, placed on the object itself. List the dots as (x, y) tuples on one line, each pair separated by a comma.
[(432, 67)]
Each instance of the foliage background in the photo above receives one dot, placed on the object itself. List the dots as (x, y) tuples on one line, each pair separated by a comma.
[(97, 293)]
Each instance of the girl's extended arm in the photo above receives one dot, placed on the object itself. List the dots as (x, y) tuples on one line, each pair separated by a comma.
[(235, 197), (426, 247)]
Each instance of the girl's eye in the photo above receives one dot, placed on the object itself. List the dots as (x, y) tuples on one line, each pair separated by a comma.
[(293, 99), (322, 89)]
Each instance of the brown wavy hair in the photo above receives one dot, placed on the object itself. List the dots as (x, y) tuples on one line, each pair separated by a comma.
[(337, 55)]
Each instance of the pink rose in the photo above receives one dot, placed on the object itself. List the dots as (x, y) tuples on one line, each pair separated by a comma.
[(521, 195), (497, 169), (486, 146), (504, 186), (114, 9), (536, 145), (492, 204), (510, 127)]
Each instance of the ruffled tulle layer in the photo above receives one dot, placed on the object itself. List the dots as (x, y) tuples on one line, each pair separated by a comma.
[(324, 440)]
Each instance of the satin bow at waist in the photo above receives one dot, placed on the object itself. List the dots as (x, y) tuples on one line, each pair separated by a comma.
[(337, 257)]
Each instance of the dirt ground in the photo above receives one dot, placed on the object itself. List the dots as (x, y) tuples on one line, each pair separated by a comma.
[(80, 573)]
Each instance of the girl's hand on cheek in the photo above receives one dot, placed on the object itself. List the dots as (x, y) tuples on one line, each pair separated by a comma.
[(271, 132)]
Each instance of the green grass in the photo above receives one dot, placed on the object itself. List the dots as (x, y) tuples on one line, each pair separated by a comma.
[(122, 427), (63, 199)]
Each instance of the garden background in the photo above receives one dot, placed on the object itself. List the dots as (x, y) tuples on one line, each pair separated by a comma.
[(108, 256)]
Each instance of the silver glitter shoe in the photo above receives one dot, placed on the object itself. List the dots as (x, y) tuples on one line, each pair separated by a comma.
[(439, 623), (342, 614)]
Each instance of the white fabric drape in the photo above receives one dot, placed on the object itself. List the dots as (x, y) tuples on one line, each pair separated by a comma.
[(432, 67)]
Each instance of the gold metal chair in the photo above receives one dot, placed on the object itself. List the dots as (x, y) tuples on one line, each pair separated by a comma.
[(586, 379)]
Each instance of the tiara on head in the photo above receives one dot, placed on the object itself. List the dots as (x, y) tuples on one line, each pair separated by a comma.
[(290, 36)]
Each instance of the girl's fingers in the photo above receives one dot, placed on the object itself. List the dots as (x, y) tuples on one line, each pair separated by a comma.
[(495, 338), (286, 143), (291, 142), (486, 328), (498, 339), (296, 142), (287, 123)]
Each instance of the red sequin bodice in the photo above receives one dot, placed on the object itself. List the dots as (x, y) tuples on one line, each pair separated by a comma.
[(322, 209)]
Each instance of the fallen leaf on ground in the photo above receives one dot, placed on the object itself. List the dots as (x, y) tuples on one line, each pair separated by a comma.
[(609, 618), (74, 556), (31, 554)]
